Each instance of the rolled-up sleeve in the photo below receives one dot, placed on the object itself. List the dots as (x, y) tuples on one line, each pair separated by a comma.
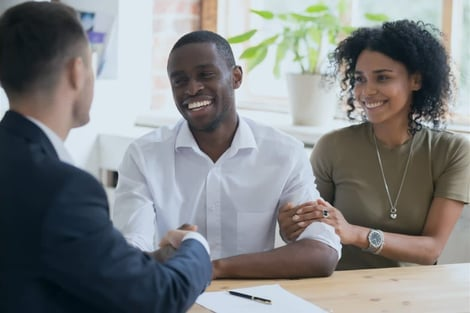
[(324, 233)]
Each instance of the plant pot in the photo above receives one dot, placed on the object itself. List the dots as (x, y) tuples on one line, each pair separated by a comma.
[(312, 101)]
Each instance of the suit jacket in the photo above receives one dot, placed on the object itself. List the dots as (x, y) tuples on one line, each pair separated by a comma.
[(59, 250)]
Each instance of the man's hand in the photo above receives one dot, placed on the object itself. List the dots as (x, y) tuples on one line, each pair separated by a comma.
[(171, 242)]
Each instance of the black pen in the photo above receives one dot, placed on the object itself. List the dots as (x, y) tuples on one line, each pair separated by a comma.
[(250, 297)]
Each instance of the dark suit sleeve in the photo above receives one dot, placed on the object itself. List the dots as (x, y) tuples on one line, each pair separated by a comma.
[(87, 257)]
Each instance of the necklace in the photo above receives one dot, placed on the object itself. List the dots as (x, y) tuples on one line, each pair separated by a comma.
[(393, 205)]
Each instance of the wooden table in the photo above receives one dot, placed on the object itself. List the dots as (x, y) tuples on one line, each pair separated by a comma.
[(417, 289)]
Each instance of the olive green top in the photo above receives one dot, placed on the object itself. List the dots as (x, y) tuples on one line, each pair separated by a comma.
[(348, 176)]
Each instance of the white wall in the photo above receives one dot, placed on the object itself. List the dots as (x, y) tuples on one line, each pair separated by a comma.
[(118, 101)]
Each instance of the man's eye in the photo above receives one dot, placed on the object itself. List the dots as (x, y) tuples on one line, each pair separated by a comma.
[(207, 74), (178, 81)]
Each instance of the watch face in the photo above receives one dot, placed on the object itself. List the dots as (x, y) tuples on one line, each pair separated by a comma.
[(375, 239)]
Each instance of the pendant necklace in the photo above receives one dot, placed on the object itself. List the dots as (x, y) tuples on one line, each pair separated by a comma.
[(393, 205)]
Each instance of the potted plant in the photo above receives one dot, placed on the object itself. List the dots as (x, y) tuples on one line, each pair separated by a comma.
[(306, 38)]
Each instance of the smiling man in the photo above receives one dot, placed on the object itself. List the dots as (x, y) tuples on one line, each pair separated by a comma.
[(225, 174)]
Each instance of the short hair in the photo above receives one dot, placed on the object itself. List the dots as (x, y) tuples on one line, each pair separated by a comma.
[(205, 36), (419, 48), (36, 39)]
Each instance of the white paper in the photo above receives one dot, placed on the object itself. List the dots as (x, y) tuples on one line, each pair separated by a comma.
[(282, 301)]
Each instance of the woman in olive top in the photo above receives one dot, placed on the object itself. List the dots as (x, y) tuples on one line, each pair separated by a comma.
[(394, 185)]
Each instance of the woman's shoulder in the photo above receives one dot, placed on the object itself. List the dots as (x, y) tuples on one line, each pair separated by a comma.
[(445, 139), (347, 134)]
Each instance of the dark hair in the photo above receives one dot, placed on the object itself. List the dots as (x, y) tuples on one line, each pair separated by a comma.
[(205, 36), (418, 47), (36, 39)]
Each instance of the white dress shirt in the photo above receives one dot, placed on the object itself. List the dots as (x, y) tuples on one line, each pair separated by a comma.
[(165, 180), (56, 141)]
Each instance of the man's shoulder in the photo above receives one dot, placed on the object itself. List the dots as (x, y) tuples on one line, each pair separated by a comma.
[(162, 135), (58, 173)]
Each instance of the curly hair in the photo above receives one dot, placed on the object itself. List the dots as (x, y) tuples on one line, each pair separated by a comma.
[(418, 47)]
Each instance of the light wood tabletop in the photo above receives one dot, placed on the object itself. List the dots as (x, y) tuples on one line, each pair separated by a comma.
[(434, 288)]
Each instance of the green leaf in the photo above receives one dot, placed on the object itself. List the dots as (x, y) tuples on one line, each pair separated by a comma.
[(347, 29), (317, 8), (281, 51), (376, 17), (315, 35), (299, 18), (251, 52), (269, 41), (264, 14), (312, 60), (242, 37), (328, 21), (342, 7), (257, 59)]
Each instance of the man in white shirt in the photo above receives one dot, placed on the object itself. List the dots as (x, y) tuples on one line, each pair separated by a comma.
[(224, 173)]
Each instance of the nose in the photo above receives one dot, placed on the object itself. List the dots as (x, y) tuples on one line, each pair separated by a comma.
[(193, 87), (368, 89)]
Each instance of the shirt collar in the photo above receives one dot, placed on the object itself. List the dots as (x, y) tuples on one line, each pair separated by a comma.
[(243, 139), (57, 143)]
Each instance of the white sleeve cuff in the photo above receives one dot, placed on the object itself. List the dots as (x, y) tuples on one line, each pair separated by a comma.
[(198, 237), (324, 233)]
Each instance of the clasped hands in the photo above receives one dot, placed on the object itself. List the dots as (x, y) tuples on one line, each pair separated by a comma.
[(171, 242), (294, 219)]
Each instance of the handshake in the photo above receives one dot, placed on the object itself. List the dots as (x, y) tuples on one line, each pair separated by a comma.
[(170, 243)]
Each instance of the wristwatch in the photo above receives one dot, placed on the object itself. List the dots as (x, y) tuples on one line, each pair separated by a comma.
[(376, 241)]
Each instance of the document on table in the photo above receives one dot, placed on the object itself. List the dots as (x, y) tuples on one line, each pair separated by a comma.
[(281, 301)]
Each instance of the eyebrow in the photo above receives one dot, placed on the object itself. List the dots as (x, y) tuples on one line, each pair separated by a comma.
[(199, 67), (379, 71)]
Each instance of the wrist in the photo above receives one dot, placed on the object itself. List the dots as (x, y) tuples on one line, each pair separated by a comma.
[(376, 240), (216, 269)]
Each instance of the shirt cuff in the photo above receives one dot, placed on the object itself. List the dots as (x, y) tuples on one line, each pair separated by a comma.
[(198, 237), (324, 233)]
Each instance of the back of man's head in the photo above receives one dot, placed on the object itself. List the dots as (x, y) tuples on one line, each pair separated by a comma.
[(36, 41), (205, 36)]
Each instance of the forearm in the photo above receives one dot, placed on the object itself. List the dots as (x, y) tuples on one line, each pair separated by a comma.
[(404, 248), (422, 250), (304, 258)]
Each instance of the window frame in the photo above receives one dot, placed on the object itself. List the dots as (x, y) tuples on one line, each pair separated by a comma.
[(450, 10)]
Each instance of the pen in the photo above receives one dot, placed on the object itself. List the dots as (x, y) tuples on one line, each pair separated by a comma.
[(250, 297)]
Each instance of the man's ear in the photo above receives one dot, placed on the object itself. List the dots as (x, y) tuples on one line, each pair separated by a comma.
[(416, 81), (76, 72), (237, 76)]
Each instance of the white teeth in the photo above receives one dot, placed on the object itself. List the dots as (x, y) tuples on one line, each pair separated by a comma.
[(198, 104), (371, 105)]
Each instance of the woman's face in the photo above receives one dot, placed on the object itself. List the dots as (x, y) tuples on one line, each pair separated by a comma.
[(383, 87)]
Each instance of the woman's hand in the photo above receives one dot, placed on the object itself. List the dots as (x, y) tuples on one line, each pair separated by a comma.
[(332, 216), (294, 219)]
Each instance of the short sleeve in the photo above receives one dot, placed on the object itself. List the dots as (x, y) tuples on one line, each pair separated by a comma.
[(454, 179), (321, 161)]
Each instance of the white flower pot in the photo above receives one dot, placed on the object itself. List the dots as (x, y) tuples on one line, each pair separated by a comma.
[(312, 102)]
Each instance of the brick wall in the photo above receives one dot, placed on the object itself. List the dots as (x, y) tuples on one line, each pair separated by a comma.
[(171, 19)]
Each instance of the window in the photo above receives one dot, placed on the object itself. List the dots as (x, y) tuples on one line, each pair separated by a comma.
[(261, 90)]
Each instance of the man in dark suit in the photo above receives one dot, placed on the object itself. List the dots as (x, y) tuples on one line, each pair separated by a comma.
[(60, 252)]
